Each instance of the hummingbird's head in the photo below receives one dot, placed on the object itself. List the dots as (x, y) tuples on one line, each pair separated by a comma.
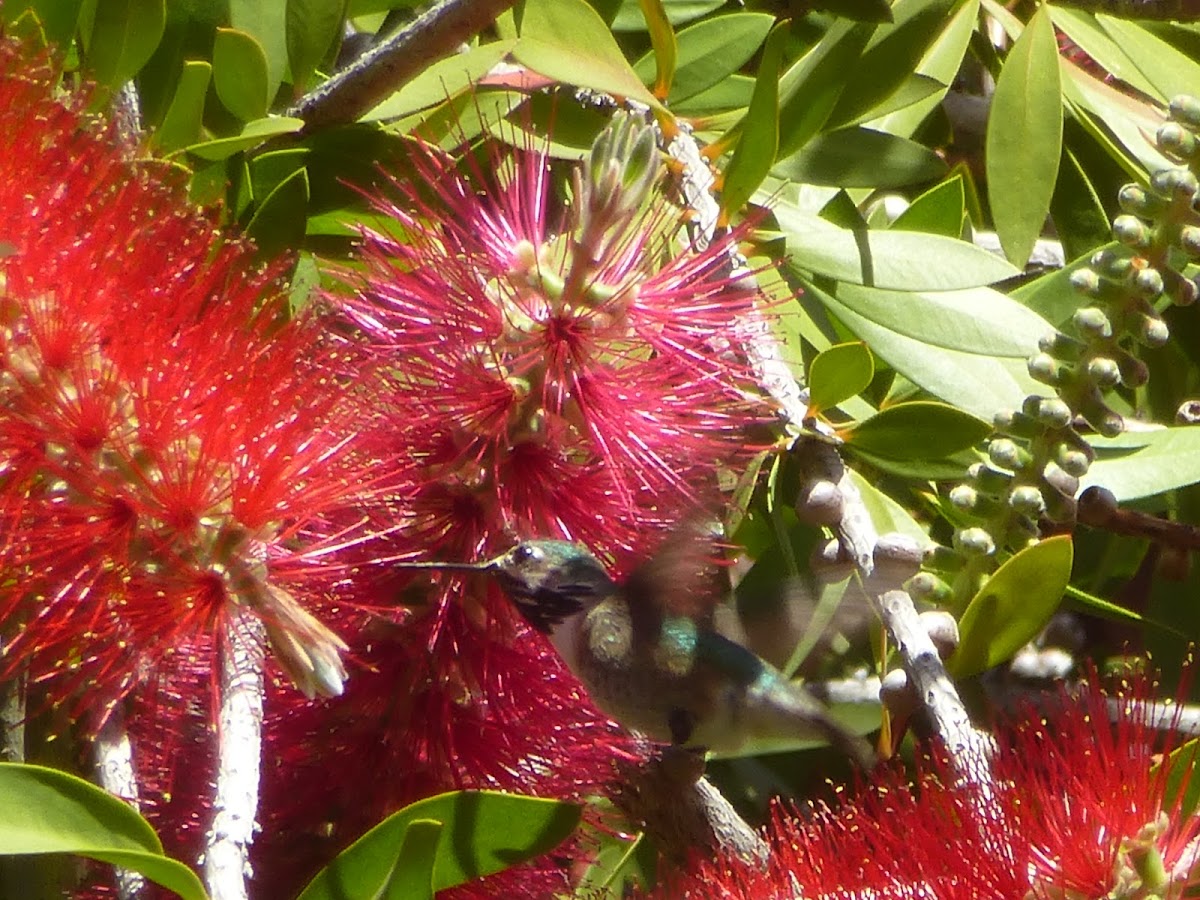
[(550, 581)]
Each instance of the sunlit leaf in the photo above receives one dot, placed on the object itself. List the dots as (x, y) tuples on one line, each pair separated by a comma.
[(759, 138), (837, 374), (917, 430), (240, 74), (1024, 138), (1013, 606)]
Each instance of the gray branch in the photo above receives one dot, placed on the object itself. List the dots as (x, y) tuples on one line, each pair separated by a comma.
[(239, 752), (369, 80), (115, 773)]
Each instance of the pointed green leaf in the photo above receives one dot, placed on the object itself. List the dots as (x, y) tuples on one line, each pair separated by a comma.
[(810, 88), (858, 10), (1169, 70), (444, 79), (312, 28), (940, 210), (886, 514), (1146, 463), (181, 125), (1013, 606), (665, 49), (1182, 792), (58, 18), (1024, 138), (1131, 120), (710, 52), (240, 74), (981, 384), (279, 222), (413, 875), (484, 832), (46, 811), (759, 139), (861, 157), (891, 57), (917, 430), (893, 260), (566, 40), (837, 374), (253, 134), (977, 320), (125, 34), (1083, 29)]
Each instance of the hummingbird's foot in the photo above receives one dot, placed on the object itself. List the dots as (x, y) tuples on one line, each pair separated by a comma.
[(683, 765)]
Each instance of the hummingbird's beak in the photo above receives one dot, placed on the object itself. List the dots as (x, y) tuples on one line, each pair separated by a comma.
[(448, 566)]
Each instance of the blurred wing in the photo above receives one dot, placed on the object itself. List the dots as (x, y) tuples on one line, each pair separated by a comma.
[(684, 578)]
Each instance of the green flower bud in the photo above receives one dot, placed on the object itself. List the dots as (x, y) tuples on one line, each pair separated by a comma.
[(1175, 141), (1110, 263), (927, 586), (1050, 411), (1006, 454), (1132, 232), (1148, 283), (1027, 499), (1045, 368), (1189, 240), (1182, 291), (1174, 184), (1071, 461), (1186, 109), (964, 497), (1017, 424), (989, 481), (1104, 372), (1092, 322), (1152, 331), (974, 542), (1134, 372), (1133, 199), (1062, 347)]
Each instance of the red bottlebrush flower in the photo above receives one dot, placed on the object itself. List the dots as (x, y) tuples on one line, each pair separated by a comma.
[(1096, 804), (539, 378), (169, 444), (1075, 805)]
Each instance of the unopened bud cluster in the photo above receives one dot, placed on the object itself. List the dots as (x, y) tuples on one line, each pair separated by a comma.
[(1037, 457)]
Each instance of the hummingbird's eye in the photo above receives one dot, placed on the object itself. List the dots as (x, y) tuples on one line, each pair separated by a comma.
[(525, 553)]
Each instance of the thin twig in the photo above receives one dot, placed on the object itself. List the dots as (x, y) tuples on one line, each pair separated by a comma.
[(367, 81), (115, 773), (239, 751)]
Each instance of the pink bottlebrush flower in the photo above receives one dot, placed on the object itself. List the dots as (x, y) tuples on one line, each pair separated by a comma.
[(170, 444), (543, 374), (1075, 805)]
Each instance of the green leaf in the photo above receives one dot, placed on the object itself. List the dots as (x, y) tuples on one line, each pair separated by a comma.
[(981, 384), (266, 22), (1182, 791), (412, 876), (279, 221), (1169, 70), (125, 34), (618, 865), (1147, 463), (1024, 138), (46, 811), (662, 39), (629, 15), (442, 80), (976, 320), (731, 94), (58, 18), (759, 139), (253, 134), (312, 28), (1130, 120), (891, 57), (484, 832), (567, 41), (838, 374), (893, 260), (940, 210), (941, 63), (184, 119), (709, 52), (858, 10), (1013, 606), (915, 89), (240, 72), (810, 88), (917, 430), (1083, 29), (860, 157)]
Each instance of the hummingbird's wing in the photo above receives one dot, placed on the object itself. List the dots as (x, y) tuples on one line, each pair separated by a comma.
[(682, 579)]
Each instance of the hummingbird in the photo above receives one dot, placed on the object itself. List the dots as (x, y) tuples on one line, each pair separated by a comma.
[(647, 652)]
